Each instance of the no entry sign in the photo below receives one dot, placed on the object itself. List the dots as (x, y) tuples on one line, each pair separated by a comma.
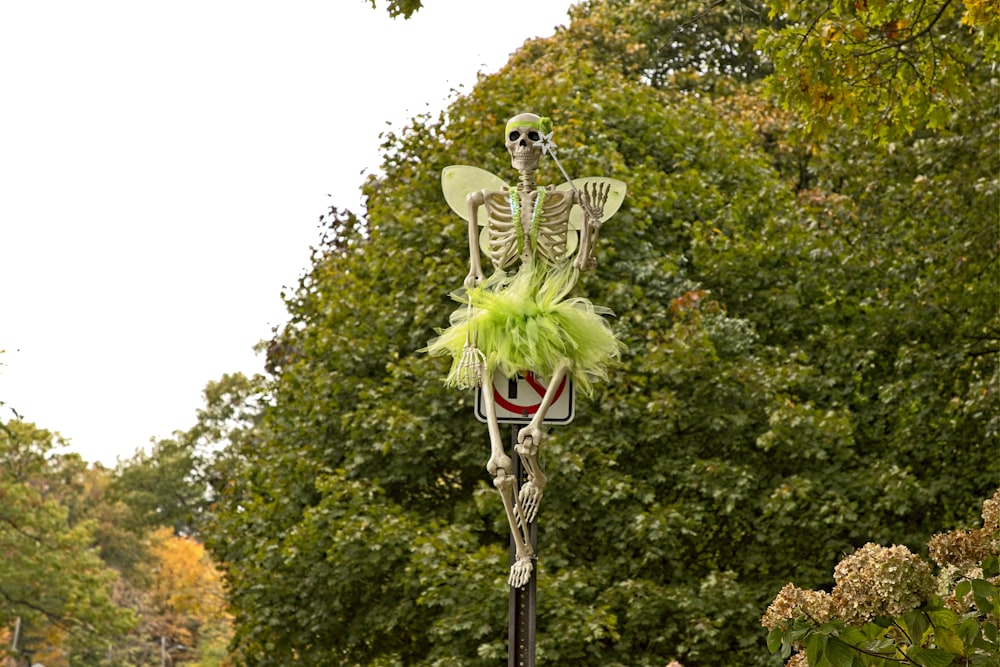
[(518, 399)]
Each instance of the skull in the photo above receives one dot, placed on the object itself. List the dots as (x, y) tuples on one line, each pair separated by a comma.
[(522, 136)]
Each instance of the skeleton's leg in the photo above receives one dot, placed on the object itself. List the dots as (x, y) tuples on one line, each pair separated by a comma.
[(501, 467), (528, 440)]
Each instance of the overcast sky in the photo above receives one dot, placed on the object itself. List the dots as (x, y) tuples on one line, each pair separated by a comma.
[(163, 166)]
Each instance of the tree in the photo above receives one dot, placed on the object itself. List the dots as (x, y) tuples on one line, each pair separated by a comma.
[(161, 499), (173, 483), (187, 595), (812, 354), (51, 576)]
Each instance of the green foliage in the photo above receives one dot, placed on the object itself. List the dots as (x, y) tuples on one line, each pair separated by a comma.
[(158, 488), (689, 45), (885, 281), (51, 576), (888, 67)]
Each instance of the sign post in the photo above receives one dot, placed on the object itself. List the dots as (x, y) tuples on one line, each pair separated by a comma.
[(522, 614)]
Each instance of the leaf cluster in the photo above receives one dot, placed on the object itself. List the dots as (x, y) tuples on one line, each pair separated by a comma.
[(889, 67), (404, 8)]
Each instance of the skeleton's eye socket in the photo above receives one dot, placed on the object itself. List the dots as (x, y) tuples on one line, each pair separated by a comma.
[(534, 136), (515, 135)]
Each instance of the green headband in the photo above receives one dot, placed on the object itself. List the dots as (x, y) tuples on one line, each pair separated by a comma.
[(543, 125)]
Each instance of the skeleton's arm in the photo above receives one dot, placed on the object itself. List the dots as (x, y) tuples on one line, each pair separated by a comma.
[(591, 199), (476, 276)]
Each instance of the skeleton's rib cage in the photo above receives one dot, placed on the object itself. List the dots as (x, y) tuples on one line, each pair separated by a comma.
[(543, 233)]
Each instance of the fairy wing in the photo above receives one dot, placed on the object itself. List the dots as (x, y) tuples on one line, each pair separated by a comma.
[(459, 180), (616, 195)]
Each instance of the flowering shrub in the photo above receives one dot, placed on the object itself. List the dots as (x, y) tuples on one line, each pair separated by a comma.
[(888, 608), (875, 581)]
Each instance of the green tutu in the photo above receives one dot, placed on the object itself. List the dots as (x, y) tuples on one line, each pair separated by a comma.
[(525, 322)]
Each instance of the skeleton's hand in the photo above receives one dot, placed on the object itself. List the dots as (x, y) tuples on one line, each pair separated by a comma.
[(471, 366), (593, 198)]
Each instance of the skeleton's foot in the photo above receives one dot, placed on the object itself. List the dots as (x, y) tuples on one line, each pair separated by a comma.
[(528, 500), (520, 572), (530, 495)]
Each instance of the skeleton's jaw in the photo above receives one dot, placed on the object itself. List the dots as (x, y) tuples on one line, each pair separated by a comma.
[(525, 159)]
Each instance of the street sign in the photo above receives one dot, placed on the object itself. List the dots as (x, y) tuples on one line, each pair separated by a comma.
[(518, 399)]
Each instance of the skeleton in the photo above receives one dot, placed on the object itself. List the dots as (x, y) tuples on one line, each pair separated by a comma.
[(525, 225)]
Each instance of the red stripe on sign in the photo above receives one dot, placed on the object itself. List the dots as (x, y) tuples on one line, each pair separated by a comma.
[(539, 389)]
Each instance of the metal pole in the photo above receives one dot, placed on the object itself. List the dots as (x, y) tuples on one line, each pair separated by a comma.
[(523, 603)]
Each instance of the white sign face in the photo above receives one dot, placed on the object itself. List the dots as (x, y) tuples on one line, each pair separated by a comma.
[(518, 399)]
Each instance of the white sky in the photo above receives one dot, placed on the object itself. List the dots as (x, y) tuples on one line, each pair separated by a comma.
[(163, 166)]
